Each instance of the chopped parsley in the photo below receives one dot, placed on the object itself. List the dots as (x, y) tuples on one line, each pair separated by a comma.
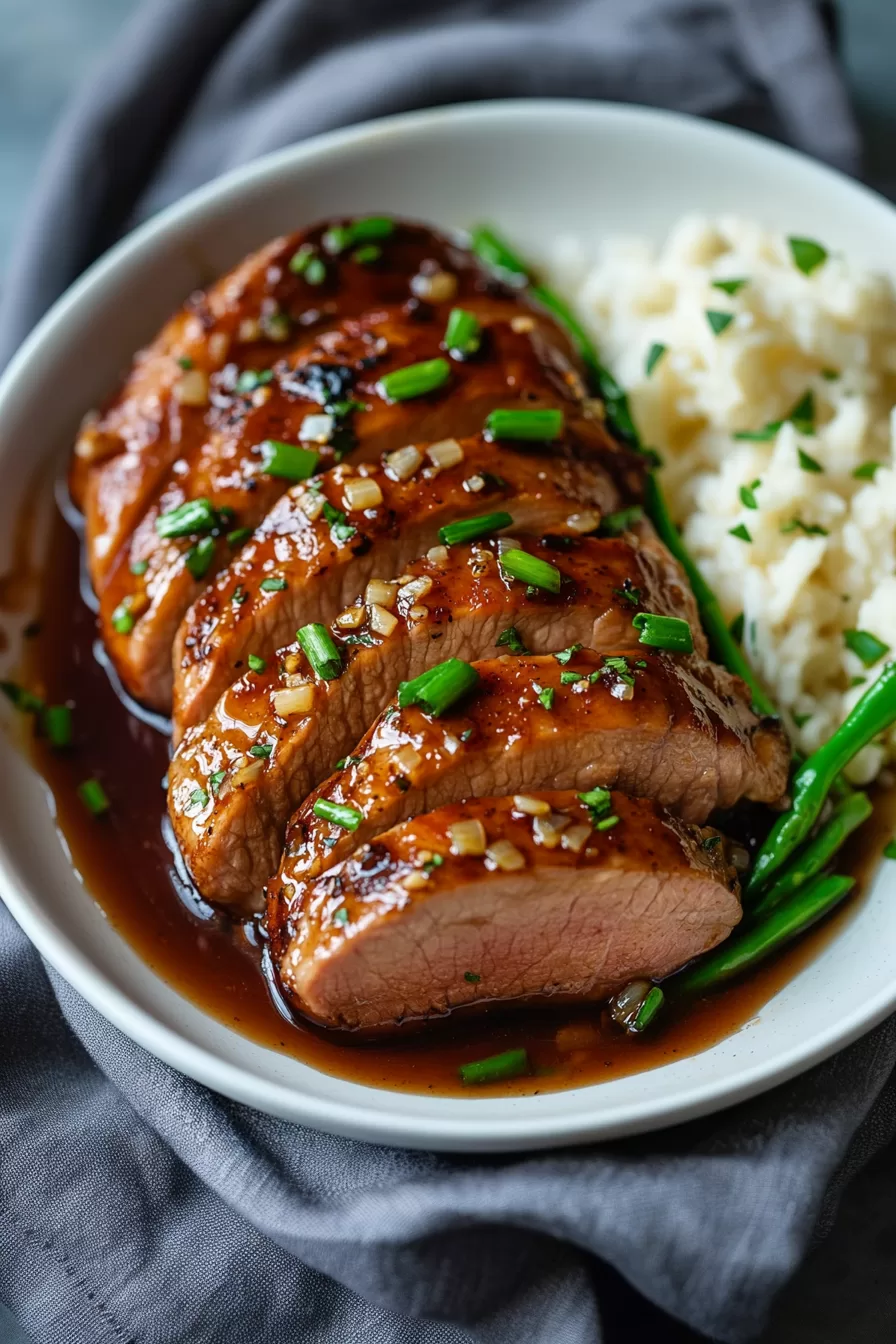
[(510, 639), (729, 286), (215, 781), (807, 254), (275, 584), (628, 593), (718, 322), (472, 978), (545, 695), (599, 803), (741, 532), (809, 463), (654, 355), (569, 678), (866, 471), (199, 798), (748, 494), (261, 750), (239, 595), (564, 656)]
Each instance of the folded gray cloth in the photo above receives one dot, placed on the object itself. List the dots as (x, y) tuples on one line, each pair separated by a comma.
[(134, 1204)]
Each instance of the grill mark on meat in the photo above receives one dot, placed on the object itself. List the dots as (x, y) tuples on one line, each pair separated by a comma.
[(387, 936), (232, 844)]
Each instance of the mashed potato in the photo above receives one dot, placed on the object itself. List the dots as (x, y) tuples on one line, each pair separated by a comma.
[(795, 527)]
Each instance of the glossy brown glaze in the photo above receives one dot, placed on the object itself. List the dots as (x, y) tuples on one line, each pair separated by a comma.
[(456, 604), (683, 734), (409, 927), (215, 963), (243, 321), (325, 559)]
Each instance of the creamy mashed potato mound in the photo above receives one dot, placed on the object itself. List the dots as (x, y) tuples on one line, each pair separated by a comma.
[(820, 562)]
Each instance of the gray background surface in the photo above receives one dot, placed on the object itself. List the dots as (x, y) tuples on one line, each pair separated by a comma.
[(845, 1294)]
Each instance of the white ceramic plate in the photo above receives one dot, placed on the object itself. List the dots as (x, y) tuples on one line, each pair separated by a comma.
[(537, 169)]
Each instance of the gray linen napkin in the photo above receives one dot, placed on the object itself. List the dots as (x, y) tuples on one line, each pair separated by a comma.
[(136, 1205)]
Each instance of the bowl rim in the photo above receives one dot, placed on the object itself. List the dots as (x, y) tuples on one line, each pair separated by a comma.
[(353, 1119)]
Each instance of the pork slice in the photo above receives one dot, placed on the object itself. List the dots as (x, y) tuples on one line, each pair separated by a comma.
[(228, 471), (406, 927), (229, 809), (680, 732), (239, 323)]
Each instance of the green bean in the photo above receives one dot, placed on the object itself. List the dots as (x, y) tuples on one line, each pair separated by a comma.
[(496, 1068), (813, 781), (745, 950), (816, 853)]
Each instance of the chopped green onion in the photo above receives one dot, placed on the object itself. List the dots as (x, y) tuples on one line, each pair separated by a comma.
[(496, 1068), (545, 695), (607, 823), (654, 355), (809, 463), (275, 584), (198, 558), (238, 536), (628, 593), (890, 850), (536, 425), (510, 639), (563, 656), (664, 632), (188, 519), (530, 569), (598, 802), (652, 1004), (239, 595), (802, 417), (764, 435), (138, 567), (250, 379), (349, 818), (287, 461), (256, 664), (122, 618), (748, 494), (718, 321), (340, 916), (867, 647), (463, 334), (261, 750), (866, 471), (439, 688), (300, 260), (185, 363), (472, 529), (729, 286), (365, 230), (316, 643), (742, 532), (416, 380), (367, 254), (57, 724), (26, 701), (471, 977), (199, 798), (315, 271), (809, 529), (807, 254), (93, 796), (614, 524)]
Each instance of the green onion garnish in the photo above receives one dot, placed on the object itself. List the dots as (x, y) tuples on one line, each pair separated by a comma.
[(57, 724), (867, 647), (463, 335), (199, 557), (802, 417), (261, 750), (531, 569), (653, 1002), (540, 426), (472, 529), (93, 796), (26, 701), (654, 355), (807, 254), (256, 664), (188, 519), (866, 471), (316, 643), (349, 818), (614, 524), (439, 688), (742, 532), (470, 976), (607, 823), (748, 494), (728, 286), (216, 780), (764, 435), (511, 639), (890, 850), (238, 536), (122, 618), (199, 798), (664, 632), (414, 381), (315, 271), (367, 254), (598, 802), (366, 230), (808, 529), (138, 567), (718, 321), (300, 260), (275, 584), (287, 461), (809, 463), (496, 1068)]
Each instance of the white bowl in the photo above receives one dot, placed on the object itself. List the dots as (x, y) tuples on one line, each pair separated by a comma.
[(537, 169)]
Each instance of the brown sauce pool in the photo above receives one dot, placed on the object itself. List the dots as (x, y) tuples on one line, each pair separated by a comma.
[(130, 871)]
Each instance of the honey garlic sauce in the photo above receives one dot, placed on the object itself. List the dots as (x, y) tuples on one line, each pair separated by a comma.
[(126, 865)]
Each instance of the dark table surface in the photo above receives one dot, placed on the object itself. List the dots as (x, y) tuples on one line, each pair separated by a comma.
[(846, 1292)]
